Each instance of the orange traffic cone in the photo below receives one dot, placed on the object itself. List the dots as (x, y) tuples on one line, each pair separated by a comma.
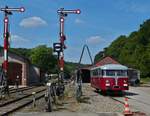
[(127, 111)]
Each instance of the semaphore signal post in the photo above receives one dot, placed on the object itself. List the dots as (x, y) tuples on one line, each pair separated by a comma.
[(62, 14), (60, 46), (7, 11)]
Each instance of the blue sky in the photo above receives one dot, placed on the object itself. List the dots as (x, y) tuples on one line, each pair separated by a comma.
[(100, 22)]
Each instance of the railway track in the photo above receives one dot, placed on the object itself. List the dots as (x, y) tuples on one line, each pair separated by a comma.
[(20, 89), (14, 90), (12, 105)]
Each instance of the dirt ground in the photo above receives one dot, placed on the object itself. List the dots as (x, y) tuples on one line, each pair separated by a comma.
[(91, 101)]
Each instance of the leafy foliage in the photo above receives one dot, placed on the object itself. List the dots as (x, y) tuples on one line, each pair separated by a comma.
[(133, 51), (21, 51), (42, 57), (71, 66)]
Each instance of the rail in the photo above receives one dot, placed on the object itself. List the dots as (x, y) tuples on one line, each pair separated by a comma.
[(21, 101)]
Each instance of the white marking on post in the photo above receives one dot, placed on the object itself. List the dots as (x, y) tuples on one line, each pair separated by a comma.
[(5, 54)]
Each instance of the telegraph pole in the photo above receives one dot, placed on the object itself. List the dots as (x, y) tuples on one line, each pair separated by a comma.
[(7, 11)]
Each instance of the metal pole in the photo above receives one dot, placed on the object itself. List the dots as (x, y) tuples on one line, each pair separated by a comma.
[(61, 54), (61, 57), (33, 99), (63, 13), (7, 11), (5, 64)]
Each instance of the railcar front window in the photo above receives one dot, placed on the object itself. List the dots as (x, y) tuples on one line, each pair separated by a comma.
[(110, 73), (121, 73)]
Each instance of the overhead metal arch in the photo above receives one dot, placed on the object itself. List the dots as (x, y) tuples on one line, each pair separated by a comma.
[(85, 47), (78, 79)]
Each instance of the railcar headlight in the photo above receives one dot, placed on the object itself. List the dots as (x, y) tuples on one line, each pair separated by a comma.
[(107, 83), (125, 83)]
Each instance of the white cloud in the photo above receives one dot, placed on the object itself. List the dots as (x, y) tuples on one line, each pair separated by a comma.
[(94, 40), (33, 22), (79, 21), (18, 39)]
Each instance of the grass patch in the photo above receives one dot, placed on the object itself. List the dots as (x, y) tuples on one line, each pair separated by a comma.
[(145, 80)]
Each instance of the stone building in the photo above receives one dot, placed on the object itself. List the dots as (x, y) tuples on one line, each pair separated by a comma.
[(21, 66)]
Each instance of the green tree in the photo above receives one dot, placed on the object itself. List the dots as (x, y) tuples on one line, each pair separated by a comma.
[(116, 46), (99, 56), (21, 51), (42, 57), (133, 50)]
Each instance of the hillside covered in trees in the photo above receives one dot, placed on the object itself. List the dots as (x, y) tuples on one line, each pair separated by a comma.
[(132, 50)]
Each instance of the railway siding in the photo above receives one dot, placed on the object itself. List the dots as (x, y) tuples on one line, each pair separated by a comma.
[(21, 101), (17, 96)]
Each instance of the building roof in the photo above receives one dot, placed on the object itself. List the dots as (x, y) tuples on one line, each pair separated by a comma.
[(106, 60), (114, 67), (14, 54)]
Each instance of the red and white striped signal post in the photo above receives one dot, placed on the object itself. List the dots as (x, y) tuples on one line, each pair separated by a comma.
[(63, 13), (59, 47), (7, 11)]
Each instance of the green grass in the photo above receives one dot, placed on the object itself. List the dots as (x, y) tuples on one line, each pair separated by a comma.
[(145, 80)]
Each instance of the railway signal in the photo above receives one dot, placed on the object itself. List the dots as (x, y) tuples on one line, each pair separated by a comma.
[(57, 47), (7, 11), (62, 14), (62, 11)]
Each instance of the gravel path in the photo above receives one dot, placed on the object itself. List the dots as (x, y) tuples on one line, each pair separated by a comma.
[(95, 102), (91, 101)]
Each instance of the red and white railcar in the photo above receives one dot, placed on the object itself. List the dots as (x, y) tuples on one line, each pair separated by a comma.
[(110, 77)]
